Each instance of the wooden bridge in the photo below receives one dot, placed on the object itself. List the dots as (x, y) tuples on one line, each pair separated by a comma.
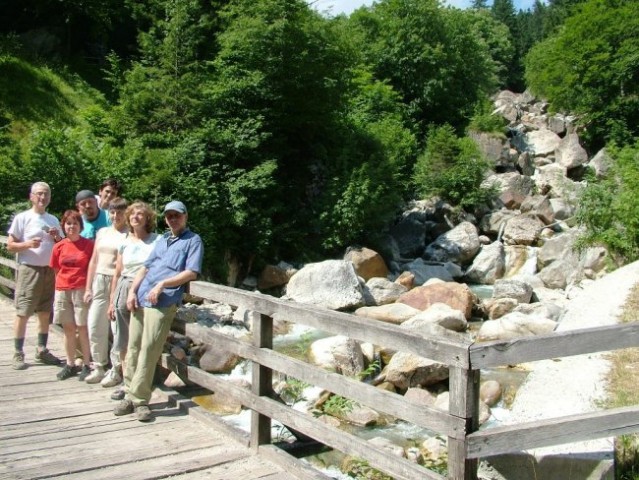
[(50, 428), (66, 429)]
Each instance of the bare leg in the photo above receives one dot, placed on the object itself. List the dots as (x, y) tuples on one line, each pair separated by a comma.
[(20, 326), (43, 322), (83, 337), (69, 342)]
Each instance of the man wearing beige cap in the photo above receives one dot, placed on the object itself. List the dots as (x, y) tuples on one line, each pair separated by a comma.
[(155, 294)]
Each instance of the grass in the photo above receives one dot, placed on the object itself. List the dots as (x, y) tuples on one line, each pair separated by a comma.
[(623, 391)]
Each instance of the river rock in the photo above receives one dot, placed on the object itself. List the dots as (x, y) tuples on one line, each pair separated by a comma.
[(395, 313), (498, 307), (361, 415), (542, 142), (438, 314), (514, 325), (215, 360), (513, 288), (493, 223), (570, 154), (406, 370), (458, 245), (332, 284), (601, 163), (275, 276), (368, 263), (337, 354), (420, 396), (386, 444), (523, 229), (488, 265), (490, 392), (540, 206), (455, 295), (382, 291), (423, 271)]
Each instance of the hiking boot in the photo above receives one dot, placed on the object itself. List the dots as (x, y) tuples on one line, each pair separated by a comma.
[(67, 371), (143, 413), (112, 378), (118, 394), (17, 362), (96, 375), (46, 357), (84, 372), (125, 407)]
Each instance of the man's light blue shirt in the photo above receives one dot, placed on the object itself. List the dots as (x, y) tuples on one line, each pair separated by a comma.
[(91, 227), (170, 256)]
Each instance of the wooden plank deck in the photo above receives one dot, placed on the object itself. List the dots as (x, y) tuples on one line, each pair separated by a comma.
[(66, 429)]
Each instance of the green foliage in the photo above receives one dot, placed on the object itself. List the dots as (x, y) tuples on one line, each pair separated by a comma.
[(452, 168), (589, 68), (338, 406), (432, 56), (293, 390), (609, 208), (361, 469), (483, 119)]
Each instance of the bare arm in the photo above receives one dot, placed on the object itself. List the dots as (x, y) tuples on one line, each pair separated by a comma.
[(15, 246), (88, 292), (114, 282), (132, 298)]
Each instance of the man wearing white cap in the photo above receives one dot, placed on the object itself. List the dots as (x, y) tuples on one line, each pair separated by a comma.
[(154, 296)]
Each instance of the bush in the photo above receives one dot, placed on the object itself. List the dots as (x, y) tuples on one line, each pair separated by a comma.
[(608, 208), (452, 168)]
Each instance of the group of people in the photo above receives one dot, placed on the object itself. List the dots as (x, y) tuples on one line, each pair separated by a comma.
[(102, 269)]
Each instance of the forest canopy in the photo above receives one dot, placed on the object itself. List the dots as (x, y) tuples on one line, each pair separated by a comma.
[(288, 133)]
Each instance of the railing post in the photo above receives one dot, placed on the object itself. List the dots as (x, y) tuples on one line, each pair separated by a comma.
[(262, 379), (464, 403)]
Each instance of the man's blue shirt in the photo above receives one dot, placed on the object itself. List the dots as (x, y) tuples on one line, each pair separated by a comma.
[(169, 257)]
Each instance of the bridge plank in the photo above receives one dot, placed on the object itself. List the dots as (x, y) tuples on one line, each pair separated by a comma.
[(66, 429)]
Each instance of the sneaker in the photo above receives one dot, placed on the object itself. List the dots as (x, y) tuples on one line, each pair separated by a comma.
[(46, 357), (112, 378), (118, 394), (123, 408), (18, 361), (143, 413), (67, 371), (84, 372), (96, 375)]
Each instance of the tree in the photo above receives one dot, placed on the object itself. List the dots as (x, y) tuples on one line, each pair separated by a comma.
[(479, 4), (430, 55), (590, 66)]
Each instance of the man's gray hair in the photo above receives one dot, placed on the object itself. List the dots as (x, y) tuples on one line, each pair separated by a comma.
[(37, 185)]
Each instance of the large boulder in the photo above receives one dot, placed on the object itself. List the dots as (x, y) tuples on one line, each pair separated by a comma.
[(458, 245), (368, 263), (514, 325), (542, 142), (337, 354), (395, 313), (332, 284), (438, 314), (570, 154), (523, 229), (488, 265), (455, 295), (424, 271), (406, 370), (382, 291), (513, 288)]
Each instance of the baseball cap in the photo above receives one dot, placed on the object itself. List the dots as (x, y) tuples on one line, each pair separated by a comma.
[(175, 206)]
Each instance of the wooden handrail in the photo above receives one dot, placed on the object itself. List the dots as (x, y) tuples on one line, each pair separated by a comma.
[(464, 358)]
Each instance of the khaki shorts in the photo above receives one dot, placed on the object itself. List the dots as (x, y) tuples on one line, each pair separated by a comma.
[(69, 307), (34, 290)]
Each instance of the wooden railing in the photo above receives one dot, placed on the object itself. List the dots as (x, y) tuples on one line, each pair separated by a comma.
[(466, 444)]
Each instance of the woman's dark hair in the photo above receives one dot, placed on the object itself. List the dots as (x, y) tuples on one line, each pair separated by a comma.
[(118, 203)]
